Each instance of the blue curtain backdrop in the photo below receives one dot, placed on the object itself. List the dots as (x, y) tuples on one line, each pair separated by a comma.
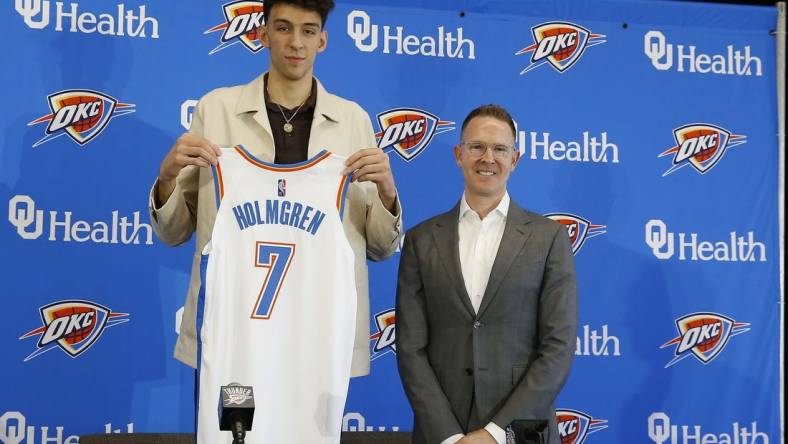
[(648, 128)]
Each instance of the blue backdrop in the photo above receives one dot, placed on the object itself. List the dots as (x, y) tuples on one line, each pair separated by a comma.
[(648, 128)]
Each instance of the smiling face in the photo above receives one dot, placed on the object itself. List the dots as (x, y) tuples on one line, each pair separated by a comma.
[(293, 37), (486, 176)]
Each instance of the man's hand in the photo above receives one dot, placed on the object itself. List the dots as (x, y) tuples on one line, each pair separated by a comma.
[(372, 164), (480, 436), (188, 149)]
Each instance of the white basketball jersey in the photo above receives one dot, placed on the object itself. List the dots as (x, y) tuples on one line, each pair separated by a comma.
[(277, 308)]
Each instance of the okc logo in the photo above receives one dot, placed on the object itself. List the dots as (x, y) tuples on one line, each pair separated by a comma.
[(408, 131), (236, 394), (242, 19), (703, 335), (81, 113), (700, 145), (578, 228), (73, 325), (574, 426), (560, 44), (385, 338)]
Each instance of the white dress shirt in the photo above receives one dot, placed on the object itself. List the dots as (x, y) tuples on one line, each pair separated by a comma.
[(479, 242)]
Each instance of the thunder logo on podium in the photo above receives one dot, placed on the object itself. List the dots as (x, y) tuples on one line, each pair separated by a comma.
[(574, 426), (242, 18), (578, 228), (408, 131), (72, 325), (703, 335), (81, 113), (560, 44), (700, 145)]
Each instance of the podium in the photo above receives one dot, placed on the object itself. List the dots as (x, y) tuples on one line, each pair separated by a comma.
[(187, 438)]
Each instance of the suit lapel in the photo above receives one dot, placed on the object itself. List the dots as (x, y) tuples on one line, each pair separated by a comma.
[(515, 234), (251, 101), (325, 112), (447, 244)]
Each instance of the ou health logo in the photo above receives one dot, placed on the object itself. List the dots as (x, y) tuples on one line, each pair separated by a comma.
[(28, 9), (701, 145), (22, 214), (408, 131), (72, 325), (82, 114), (560, 44), (703, 335), (574, 426), (242, 20)]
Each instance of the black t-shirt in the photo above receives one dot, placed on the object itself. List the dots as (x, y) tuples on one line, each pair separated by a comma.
[(291, 147)]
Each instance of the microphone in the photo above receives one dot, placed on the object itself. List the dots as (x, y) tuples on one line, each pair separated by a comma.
[(236, 410)]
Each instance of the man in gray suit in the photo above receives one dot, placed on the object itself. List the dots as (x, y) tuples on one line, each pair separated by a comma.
[(486, 302)]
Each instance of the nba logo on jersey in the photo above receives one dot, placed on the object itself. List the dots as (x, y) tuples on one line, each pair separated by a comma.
[(282, 187)]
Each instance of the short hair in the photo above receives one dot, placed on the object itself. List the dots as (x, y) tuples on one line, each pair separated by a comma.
[(321, 7), (491, 110)]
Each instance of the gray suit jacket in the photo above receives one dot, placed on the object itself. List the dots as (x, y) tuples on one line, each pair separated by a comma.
[(512, 358)]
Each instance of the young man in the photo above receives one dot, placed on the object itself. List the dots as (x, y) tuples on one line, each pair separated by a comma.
[(282, 116), (486, 302)]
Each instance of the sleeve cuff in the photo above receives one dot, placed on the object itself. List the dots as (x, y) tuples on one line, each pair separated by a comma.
[(395, 215), (385, 219), (497, 433), (167, 207), (152, 201)]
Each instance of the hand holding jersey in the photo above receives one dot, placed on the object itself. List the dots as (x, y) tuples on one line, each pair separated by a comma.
[(372, 164), (189, 149)]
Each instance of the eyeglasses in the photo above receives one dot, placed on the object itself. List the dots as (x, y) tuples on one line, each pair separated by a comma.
[(478, 149)]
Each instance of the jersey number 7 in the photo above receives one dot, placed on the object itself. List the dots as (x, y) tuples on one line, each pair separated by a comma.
[(275, 257)]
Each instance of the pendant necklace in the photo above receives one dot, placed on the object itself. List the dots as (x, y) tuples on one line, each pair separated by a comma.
[(288, 127)]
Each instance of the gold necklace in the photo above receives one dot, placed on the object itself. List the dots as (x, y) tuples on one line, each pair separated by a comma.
[(288, 127)]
